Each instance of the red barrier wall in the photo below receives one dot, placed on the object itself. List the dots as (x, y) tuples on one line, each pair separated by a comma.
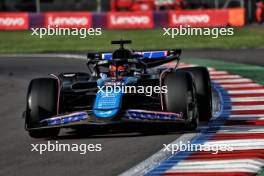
[(124, 20)]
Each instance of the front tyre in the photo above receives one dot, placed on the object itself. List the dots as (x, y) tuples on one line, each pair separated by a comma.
[(181, 97), (42, 100), (204, 91)]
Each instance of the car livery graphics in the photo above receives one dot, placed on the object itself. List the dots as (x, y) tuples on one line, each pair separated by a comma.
[(97, 97)]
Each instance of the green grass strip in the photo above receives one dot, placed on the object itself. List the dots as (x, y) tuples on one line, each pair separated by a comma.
[(24, 42)]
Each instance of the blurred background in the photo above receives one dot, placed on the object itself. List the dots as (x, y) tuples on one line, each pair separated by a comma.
[(116, 16), (128, 5)]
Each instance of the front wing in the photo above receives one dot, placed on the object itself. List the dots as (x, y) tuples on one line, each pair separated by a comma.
[(128, 116)]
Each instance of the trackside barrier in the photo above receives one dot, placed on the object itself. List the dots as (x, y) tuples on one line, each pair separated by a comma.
[(123, 20)]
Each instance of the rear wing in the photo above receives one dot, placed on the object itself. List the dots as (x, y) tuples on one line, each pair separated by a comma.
[(163, 54)]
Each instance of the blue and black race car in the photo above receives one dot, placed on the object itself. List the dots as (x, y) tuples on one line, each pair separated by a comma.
[(122, 87)]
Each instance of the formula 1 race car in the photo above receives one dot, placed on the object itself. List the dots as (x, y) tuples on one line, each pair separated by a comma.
[(120, 88)]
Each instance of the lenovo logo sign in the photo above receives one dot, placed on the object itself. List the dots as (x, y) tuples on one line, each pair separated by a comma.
[(68, 20), (127, 20), (191, 19), (13, 21), (133, 20), (198, 18)]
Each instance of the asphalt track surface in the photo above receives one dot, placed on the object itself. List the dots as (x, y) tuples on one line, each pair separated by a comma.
[(120, 151)]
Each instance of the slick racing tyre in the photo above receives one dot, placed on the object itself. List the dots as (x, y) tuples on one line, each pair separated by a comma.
[(181, 97), (41, 104), (204, 92)]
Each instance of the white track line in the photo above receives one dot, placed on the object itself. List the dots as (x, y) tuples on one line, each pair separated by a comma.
[(245, 91), (242, 85), (210, 69), (55, 55), (236, 165), (256, 107), (186, 65), (247, 115), (246, 118), (250, 105), (218, 72), (240, 130), (239, 144), (225, 77), (247, 99), (239, 80)]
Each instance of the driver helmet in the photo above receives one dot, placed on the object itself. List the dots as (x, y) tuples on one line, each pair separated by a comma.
[(121, 70)]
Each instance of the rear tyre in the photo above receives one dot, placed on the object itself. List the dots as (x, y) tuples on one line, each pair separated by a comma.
[(41, 104), (181, 97), (204, 91)]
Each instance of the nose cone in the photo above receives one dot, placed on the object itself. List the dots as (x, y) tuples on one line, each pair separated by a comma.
[(107, 103)]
